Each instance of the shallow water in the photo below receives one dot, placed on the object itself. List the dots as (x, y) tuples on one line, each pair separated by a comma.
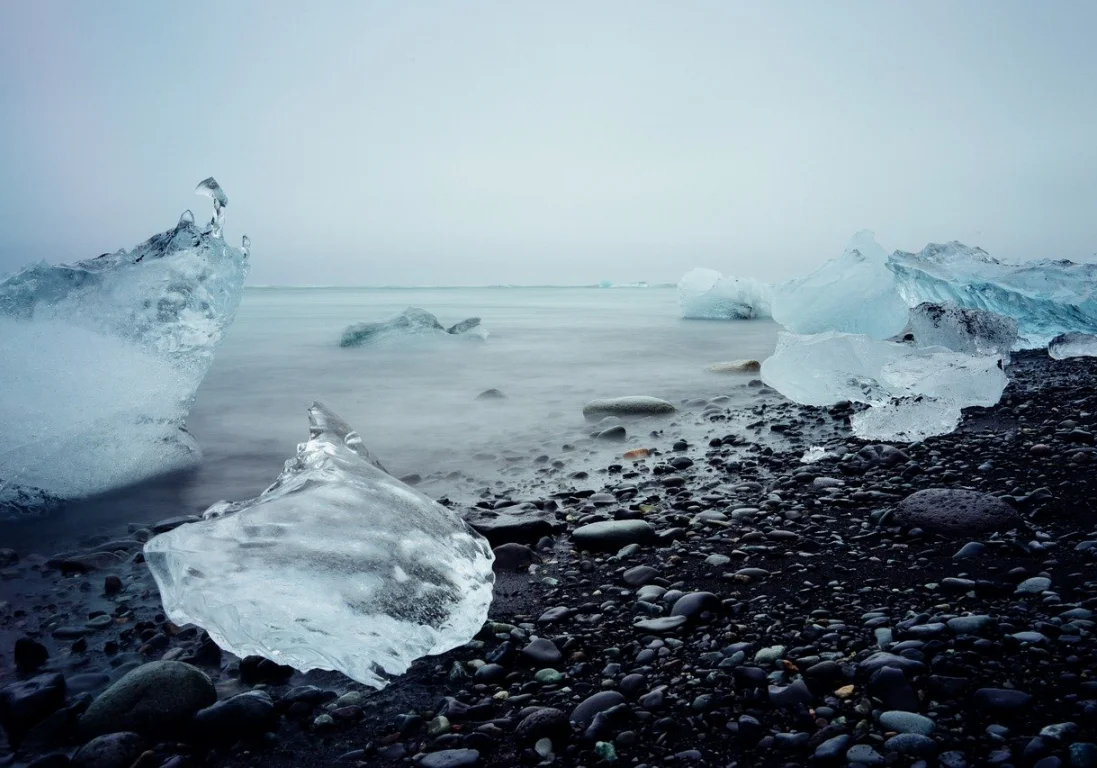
[(550, 350)]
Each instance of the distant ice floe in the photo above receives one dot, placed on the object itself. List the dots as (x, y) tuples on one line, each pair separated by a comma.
[(102, 359), (412, 322)]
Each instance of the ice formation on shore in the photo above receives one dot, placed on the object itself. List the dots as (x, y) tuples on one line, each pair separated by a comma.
[(337, 565), (914, 392), (102, 359), (705, 294), (413, 321), (1046, 297), (855, 293), (974, 331), (1072, 345)]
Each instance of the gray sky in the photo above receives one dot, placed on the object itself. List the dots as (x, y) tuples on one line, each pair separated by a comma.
[(566, 142)]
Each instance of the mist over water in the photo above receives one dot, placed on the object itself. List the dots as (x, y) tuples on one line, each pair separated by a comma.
[(413, 399)]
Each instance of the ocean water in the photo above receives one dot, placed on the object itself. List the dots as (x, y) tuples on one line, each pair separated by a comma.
[(413, 400)]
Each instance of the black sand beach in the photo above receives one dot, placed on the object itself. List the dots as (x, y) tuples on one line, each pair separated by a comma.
[(745, 609)]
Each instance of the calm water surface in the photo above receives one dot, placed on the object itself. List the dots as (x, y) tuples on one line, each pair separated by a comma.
[(550, 350)]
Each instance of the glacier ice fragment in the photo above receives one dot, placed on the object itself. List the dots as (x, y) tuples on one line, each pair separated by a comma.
[(413, 321), (1046, 297), (101, 362), (974, 331), (855, 293), (914, 392), (337, 565), (1072, 345), (213, 190), (705, 294)]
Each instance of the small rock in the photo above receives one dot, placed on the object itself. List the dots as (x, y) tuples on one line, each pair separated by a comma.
[(114, 750)]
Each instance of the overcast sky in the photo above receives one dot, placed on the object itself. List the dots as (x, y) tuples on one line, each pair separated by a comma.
[(374, 143)]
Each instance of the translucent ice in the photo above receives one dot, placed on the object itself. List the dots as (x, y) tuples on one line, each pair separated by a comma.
[(101, 361), (1045, 297), (338, 565), (1072, 345), (705, 294), (411, 322), (974, 331), (913, 392), (855, 293)]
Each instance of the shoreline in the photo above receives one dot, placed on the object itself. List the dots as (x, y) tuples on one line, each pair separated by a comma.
[(808, 569)]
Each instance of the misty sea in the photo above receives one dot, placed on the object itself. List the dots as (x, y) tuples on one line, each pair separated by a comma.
[(414, 399)]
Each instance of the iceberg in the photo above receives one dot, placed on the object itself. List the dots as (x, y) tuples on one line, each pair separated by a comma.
[(102, 359), (411, 322), (337, 565), (1045, 297), (974, 331), (913, 392), (855, 293), (705, 294), (1072, 345)]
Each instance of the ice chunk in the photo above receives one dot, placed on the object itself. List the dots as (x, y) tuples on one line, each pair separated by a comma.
[(855, 293), (974, 331), (101, 361), (815, 453), (213, 190), (1072, 345), (1045, 297), (411, 322), (907, 419), (705, 294), (338, 565), (826, 368)]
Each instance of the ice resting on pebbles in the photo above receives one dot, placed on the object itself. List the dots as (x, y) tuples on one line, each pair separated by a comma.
[(913, 392), (1046, 297), (1067, 345), (337, 565), (102, 359)]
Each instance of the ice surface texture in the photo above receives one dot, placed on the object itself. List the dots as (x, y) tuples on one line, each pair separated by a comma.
[(855, 293), (338, 565), (914, 392), (102, 358), (411, 322), (705, 294), (974, 331), (1045, 297), (1072, 345)]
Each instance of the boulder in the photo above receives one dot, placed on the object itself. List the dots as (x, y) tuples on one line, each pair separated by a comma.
[(955, 512), (154, 700)]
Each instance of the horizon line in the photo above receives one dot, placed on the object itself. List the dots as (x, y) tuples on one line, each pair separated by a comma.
[(637, 286)]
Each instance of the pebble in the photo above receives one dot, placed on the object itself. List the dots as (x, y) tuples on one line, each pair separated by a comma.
[(907, 722)]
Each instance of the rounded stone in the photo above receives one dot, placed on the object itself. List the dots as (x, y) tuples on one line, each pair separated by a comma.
[(547, 722), (115, 750), (613, 534), (627, 406), (907, 722), (584, 713), (155, 699), (955, 512)]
